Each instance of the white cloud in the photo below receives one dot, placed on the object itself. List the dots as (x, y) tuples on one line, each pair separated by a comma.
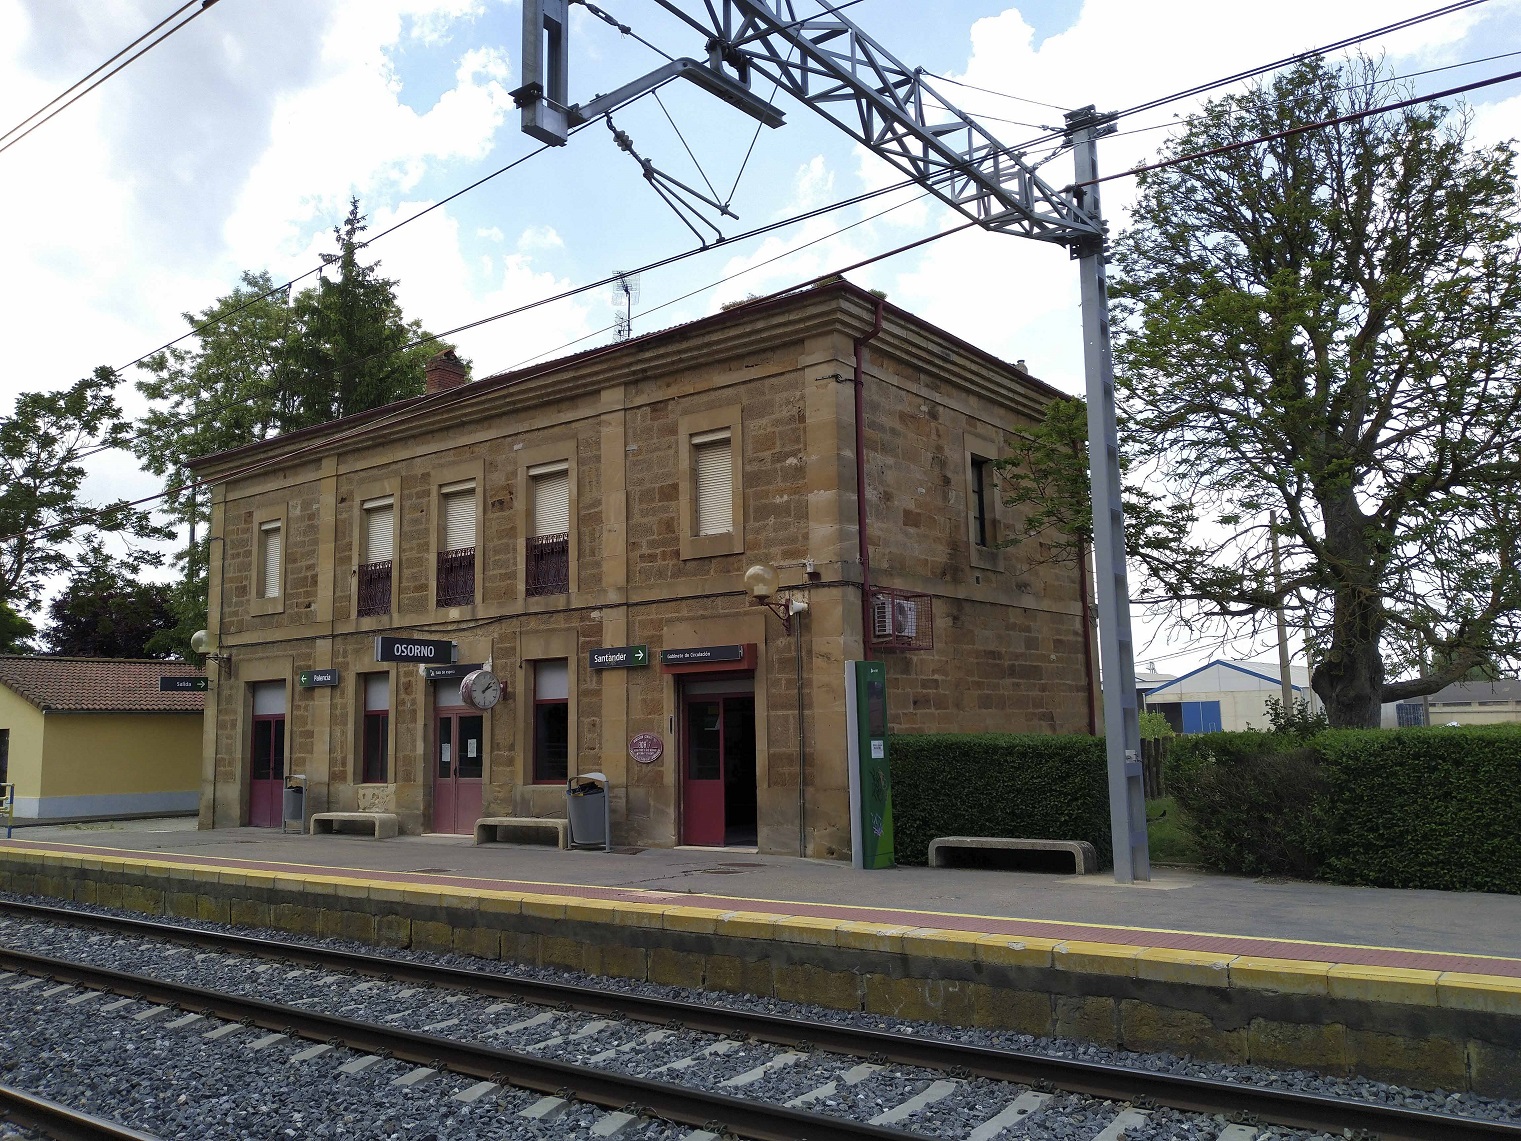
[(539, 238)]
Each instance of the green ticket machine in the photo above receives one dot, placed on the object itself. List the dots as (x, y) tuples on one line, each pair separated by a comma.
[(871, 788)]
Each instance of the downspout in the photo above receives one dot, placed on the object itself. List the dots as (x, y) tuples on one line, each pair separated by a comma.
[(802, 800), (1082, 593), (859, 380)]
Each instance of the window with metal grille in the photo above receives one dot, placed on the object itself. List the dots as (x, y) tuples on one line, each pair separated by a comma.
[(377, 728), (1409, 714), (547, 554), (5, 756), (713, 467), (379, 549), (456, 559), (551, 721), (269, 560)]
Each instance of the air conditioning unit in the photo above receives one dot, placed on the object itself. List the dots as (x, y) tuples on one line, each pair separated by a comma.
[(905, 618), (882, 618)]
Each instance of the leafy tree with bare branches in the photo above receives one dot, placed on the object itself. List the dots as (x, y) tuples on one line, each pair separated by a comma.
[(1325, 326)]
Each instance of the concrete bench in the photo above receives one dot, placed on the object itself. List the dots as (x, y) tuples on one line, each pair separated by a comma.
[(385, 824), (1013, 855), (488, 829)]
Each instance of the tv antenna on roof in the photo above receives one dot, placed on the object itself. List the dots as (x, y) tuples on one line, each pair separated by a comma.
[(625, 294)]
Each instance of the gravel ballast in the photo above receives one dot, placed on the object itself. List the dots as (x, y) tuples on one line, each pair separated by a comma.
[(633, 1047)]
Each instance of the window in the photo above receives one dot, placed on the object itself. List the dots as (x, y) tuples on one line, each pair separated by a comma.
[(377, 728), (979, 501), (1409, 713), (5, 756), (713, 468), (379, 540), (551, 721), (456, 557), (269, 560), (548, 547)]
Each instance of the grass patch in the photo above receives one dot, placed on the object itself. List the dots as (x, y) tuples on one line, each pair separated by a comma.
[(1168, 833)]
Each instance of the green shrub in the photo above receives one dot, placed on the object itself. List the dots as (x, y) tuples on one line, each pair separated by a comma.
[(1416, 808), (1254, 810), (1424, 808), (998, 784)]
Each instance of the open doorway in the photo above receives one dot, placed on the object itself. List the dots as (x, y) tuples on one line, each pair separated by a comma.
[(718, 764)]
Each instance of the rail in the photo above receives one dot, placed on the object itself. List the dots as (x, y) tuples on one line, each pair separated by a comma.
[(1116, 1083), (50, 1119)]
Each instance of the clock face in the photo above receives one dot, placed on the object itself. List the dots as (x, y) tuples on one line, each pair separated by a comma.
[(481, 688)]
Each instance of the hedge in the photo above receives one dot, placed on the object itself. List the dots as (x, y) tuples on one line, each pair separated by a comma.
[(1030, 785), (1436, 808)]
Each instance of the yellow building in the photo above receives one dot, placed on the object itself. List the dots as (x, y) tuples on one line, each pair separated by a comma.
[(95, 737)]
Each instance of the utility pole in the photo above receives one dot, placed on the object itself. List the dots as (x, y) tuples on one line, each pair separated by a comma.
[(1285, 672), (1122, 730)]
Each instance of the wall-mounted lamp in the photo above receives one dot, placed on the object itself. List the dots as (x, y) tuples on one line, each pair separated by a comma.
[(761, 581), (200, 642)]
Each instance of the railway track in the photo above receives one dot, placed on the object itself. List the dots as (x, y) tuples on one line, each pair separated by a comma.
[(50, 1119), (950, 1066)]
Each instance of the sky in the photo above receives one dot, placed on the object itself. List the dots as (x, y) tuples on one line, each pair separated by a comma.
[(237, 143)]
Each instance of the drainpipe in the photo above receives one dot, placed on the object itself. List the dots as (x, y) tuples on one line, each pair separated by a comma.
[(859, 380)]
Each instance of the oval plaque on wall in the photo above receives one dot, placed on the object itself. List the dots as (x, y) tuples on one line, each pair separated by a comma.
[(646, 748)]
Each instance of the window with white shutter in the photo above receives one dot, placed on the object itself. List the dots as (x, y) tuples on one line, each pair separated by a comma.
[(551, 499), (269, 560), (459, 516), (379, 530), (713, 467)]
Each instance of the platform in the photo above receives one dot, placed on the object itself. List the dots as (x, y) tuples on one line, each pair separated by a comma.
[(1421, 987)]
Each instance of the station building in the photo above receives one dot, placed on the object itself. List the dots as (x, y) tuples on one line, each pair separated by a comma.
[(616, 499)]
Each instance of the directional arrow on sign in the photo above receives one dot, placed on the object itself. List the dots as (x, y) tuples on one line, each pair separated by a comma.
[(641, 655)]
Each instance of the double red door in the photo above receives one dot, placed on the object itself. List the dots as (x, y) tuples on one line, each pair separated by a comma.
[(266, 785), (718, 804), (459, 756)]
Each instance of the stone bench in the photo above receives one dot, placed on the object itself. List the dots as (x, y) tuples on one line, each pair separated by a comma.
[(1012, 854), (487, 829), (385, 824)]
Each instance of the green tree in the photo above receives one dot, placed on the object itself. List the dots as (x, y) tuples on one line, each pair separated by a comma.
[(46, 524), (266, 361), (15, 632), (106, 613), (354, 350), (1325, 326)]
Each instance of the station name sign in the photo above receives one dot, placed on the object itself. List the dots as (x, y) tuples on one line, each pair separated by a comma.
[(315, 679), (448, 673), (694, 655), (183, 685), (424, 650), (618, 657)]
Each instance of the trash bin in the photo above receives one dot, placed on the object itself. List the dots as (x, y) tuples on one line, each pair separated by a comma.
[(295, 805), (586, 806)]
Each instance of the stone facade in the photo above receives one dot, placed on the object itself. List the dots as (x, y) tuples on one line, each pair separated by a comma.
[(1009, 649)]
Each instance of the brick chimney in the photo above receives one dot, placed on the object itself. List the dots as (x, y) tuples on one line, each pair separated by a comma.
[(443, 372)]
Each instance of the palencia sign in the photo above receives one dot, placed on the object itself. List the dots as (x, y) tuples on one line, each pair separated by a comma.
[(315, 679), (389, 648)]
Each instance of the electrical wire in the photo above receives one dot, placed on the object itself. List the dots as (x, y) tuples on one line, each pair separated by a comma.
[(990, 91), (707, 181), (197, 14), (1320, 124), (98, 70)]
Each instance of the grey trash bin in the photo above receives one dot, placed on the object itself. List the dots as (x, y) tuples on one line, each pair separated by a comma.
[(295, 805), (587, 809)]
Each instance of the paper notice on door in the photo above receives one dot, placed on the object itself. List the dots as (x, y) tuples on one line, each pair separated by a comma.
[(443, 755), (878, 750), (472, 746)]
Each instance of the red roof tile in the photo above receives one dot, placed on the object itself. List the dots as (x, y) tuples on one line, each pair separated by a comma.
[(99, 685)]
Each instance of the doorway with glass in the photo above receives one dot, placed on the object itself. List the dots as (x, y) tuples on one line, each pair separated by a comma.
[(718, 771)]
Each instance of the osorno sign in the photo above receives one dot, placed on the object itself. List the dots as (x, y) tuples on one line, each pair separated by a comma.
[(425, 650)]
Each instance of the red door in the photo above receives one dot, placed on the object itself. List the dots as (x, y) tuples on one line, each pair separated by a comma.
[(459, 760), (718, 802), (266, 785)]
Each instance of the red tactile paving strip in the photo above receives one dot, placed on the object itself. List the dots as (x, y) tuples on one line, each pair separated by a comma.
[(992, 925)]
